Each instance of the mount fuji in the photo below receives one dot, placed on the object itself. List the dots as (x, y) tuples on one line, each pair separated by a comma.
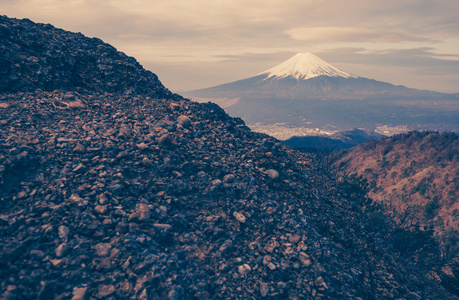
[(306, 76), (305, 95)]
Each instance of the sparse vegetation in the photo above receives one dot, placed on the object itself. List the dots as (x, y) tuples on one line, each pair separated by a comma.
[(410, 180)]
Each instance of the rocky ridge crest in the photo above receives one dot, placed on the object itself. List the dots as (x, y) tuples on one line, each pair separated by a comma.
[(40, 56)]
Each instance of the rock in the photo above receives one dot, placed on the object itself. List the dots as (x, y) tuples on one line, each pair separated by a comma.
[(142, 146), (266, 259), (146, 162), (229, 178), (167, 141), (264, 289), (244, 269), (176, 293), (273, 174), (304, 259), (184, 121), (79, 293), (101, 209), (239, 217), (21, 195), (225, 246), (62, 250), (63, 232), (294, 238), (105, 290), (320, 283), (102, 249), (102, 198), (79, 148), (163, 227), (142, 213), (37, 254)]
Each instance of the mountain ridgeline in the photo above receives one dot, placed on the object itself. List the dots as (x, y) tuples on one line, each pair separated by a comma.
[(306, 76), (334, 142), (111, 187), (40, 56), (308, 94)]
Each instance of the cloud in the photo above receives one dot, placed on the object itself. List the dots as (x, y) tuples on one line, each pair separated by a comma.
[(350, 34)]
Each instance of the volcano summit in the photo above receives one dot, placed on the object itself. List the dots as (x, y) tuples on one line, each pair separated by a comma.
[(307, 95), (305, 66)]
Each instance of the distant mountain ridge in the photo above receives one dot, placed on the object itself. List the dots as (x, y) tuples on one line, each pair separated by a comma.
[(305, 76), (337, 141), (307, 94)]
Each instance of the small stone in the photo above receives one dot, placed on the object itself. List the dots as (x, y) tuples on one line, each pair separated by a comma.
[(37, 254), (80, 168), (176, 293), (105, 290), (229, 178), (240, 217), (4, 218), (225, 246), (101, 209), (141, 213), (244, 269), (305, 261), (264, 289), (63, 232), (142, 146), (102, 249), (164, 227), (146, 162), (202, 295), (102, 198), (281, 285), (79, 148), (174, 106), (167, 141), (184, 121), (320, 283), (273, 174), (56, 262), (62, 250), (294, 238), (78, 200), (266, 259), (79, 293), (21, 195)]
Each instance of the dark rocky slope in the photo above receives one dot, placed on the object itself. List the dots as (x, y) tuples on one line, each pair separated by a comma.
[(40, 56), (109, 195)]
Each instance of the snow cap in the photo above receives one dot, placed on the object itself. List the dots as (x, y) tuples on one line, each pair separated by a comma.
[(305, 66)]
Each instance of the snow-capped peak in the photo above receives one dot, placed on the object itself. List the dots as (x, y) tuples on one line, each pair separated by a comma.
[(305, 66)]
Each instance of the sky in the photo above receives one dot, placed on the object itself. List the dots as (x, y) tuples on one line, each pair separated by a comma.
[(202, 43)]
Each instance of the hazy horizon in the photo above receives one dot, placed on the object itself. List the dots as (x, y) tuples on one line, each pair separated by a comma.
[(192, 45)]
